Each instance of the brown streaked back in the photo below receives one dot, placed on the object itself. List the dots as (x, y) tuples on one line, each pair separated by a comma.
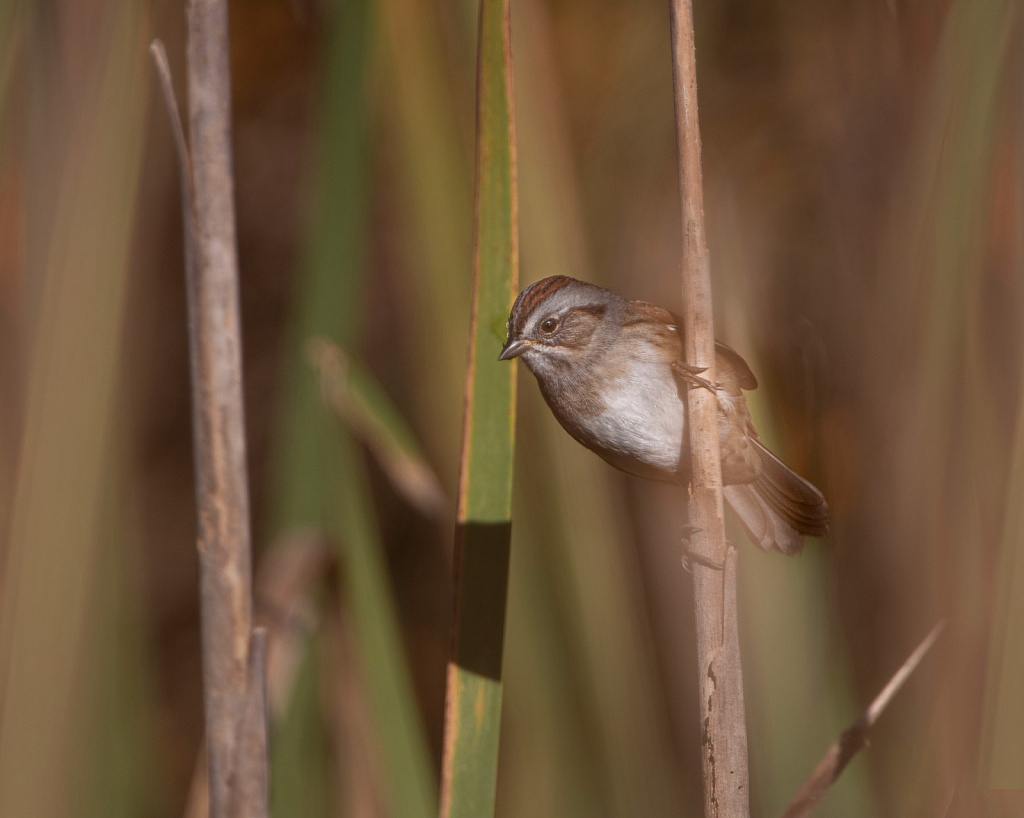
[(642, 312)]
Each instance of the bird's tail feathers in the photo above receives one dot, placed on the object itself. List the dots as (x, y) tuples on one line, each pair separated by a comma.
[(779, 507)]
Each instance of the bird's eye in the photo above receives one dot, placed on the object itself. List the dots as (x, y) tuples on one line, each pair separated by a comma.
[(549, 324)]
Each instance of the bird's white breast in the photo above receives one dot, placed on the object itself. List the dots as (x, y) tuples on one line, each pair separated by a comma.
[(643, 416)]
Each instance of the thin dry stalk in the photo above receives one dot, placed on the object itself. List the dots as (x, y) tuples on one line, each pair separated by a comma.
[(285, 586), (723, 722), (855, 736), (253, 764), (252, 748), (233, 680)]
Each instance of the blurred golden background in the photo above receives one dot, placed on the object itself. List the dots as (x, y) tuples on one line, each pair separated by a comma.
[(864, 194)]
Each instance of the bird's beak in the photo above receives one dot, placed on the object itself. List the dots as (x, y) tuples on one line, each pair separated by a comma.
[(513, 349)]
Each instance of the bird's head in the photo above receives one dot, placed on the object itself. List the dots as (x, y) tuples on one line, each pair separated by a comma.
[(559, 322)]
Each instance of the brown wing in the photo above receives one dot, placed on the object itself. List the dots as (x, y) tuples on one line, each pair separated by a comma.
[(739, 366), (727, 360), (641, 311)]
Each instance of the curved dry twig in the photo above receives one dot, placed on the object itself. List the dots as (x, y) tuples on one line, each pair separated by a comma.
[(855, 736)]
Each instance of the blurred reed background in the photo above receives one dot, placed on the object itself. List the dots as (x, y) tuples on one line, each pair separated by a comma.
[(865, 205)]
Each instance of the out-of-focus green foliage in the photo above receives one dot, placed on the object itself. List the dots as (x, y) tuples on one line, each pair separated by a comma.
[(328, 300), (114, 739), (952, 413), (322, 482), (300, 760), (1001, 752), (793, 677), (577, 630), (9, 42), (410, 789), (1002, 758), (365, 409), (53, 547), (434, 162)]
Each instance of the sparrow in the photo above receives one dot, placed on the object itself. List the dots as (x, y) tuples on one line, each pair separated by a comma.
[(613, 373)]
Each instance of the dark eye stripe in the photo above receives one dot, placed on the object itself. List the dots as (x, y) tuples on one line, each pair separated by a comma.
[(552, 323), (597, 310)]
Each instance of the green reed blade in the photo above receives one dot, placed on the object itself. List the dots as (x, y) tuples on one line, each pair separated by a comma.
[(473, 704)]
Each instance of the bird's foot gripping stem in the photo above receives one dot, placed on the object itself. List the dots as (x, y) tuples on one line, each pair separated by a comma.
[(691, 557), (691, 375)]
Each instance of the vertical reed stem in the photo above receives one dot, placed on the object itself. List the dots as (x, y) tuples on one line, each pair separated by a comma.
[(723, 723), (232, 680)]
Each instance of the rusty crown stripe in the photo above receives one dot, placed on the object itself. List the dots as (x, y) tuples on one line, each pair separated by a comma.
[(530, 298)]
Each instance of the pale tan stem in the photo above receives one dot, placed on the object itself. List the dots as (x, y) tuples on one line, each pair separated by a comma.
[(723, 720), (234, 693)]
